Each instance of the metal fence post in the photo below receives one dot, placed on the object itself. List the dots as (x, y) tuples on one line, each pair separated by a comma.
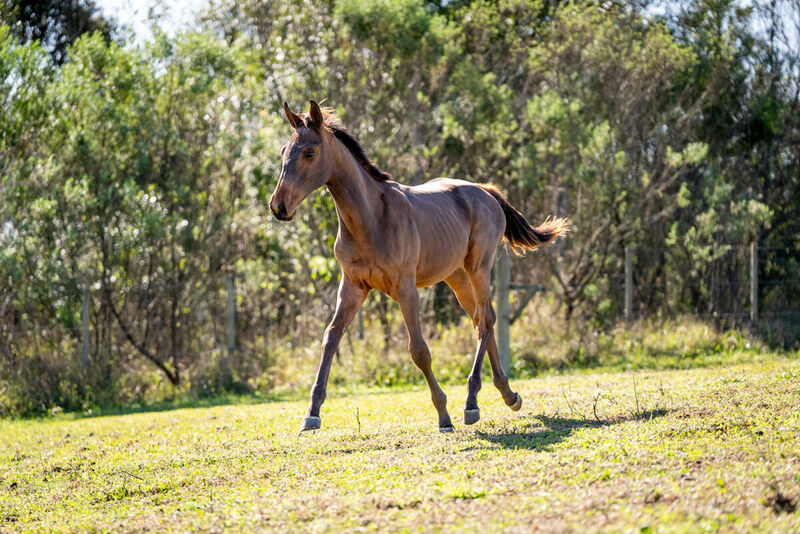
[(754, 281), (502, 284), (85, 341), (628, 283)]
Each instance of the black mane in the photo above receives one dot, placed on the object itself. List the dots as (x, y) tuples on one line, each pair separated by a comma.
[(355, 149)]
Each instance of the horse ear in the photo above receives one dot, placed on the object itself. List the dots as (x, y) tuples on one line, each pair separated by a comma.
[(293, 118), (316, 114)]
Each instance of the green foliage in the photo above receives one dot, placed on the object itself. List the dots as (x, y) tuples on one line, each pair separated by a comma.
[(137, 195), (56, 24), (142, 174), (388, 25)]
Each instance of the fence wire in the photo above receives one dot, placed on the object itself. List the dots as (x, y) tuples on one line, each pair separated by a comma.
[(257, 324)]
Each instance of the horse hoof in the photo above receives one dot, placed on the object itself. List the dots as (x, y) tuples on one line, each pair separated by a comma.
[(311, 423), (446, 429), (471, 416), (517, 404)]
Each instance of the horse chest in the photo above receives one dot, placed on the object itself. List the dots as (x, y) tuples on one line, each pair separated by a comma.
[(368, 266)]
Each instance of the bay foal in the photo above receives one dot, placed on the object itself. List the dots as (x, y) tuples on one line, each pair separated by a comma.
[(395, 239)]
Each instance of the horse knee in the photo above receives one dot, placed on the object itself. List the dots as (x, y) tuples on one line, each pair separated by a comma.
[(333, 334), (419, 352)]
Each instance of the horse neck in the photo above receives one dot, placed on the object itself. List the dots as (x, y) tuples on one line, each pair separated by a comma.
[(355, 194)]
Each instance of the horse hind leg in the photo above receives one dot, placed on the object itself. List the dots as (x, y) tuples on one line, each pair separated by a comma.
[(484, 320), (460, 283), (512, 399)]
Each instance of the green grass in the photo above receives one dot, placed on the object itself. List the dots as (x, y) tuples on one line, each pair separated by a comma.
[(716, 449)]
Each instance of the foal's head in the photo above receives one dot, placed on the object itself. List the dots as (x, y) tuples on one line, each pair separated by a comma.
[(307, 161)]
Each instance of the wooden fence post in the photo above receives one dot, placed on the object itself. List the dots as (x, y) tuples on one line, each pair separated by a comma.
[(231, 313), (85, 341), (503, 286), (230, 327), (628, 283), (754, 282)]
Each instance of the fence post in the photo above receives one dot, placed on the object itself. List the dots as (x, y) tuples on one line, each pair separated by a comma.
[(502, 284), (231, 313), (628, 283), (230, 327), (85, 342), (754, 282)]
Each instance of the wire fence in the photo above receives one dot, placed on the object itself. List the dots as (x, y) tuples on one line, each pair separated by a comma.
[(743, 284)]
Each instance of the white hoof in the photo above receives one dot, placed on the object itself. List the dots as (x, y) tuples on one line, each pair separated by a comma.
[(517, 404)]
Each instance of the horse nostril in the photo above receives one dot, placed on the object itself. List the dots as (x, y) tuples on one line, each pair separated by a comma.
[(281, 210)]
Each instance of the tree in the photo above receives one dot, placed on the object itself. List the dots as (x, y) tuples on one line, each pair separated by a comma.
[(55, 24)]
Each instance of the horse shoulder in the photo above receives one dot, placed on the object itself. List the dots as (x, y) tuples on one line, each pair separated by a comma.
[(347, 252)]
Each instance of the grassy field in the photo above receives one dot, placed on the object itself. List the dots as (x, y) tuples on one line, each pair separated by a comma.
[(648, 451)]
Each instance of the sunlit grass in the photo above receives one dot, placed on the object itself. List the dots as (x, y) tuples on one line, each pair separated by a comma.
[(669, 450)]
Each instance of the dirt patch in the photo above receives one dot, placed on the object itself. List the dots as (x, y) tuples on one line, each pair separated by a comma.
[(781, 503)]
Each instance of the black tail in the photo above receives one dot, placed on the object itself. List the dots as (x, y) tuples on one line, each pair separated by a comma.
[(521, 235)]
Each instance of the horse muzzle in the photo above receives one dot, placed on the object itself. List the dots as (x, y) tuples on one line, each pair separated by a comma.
[(285, 199), (278, 210)]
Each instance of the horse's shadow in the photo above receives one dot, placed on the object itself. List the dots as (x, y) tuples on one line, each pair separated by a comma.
[(555, 429)]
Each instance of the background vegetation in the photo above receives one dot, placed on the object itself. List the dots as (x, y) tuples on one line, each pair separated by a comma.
[(140, 172)]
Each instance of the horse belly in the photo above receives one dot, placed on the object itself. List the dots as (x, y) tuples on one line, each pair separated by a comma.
[(443, 222), (440, 260)]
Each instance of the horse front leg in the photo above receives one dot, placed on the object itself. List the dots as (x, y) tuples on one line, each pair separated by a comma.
[(350, 297), (408, 298)]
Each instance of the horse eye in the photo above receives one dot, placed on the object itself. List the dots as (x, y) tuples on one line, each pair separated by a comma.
[(309, 154)]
